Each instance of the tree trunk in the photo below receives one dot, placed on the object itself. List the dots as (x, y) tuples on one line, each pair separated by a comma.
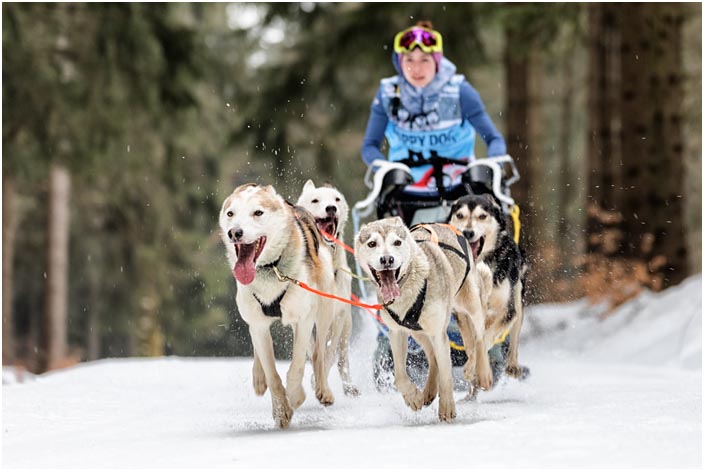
[(93, 338), (53, 343), (517, 69), (604, 234), (652, 140), (524, 128), (566, 231), (9, 227)]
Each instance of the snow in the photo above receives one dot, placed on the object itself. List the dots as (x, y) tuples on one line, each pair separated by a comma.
[(621, 392)]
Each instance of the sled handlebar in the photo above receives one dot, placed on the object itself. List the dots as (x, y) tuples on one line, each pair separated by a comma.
[(378, 169)]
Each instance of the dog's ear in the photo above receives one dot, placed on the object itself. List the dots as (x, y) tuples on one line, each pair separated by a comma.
[(396, 221), (270, 189), (309, 186), (244, 187), (362, 235), (491, 199)]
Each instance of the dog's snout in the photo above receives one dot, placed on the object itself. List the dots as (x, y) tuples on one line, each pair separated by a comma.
[(469, 234), (235, 234), (332, 209), (387, 261)]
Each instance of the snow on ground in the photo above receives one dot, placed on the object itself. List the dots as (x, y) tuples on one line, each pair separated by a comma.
[(622, 392)]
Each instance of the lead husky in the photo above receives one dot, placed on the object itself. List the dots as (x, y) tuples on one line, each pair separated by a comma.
[(262, 233), (329, 208), (420, 278), (483, 223)]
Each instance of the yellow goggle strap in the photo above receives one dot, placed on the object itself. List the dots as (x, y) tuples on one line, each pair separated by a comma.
[(515, 213)]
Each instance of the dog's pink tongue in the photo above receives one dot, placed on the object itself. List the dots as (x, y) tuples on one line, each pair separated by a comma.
[(389, 286), (244, 270), (475, 249)]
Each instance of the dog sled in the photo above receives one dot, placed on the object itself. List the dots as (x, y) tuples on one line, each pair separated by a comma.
[(393, 193)]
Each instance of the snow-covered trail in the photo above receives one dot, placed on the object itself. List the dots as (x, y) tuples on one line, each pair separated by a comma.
[(203, 413), (577, 409)]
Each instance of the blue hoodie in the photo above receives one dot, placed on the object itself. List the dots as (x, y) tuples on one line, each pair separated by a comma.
[(442, 116)]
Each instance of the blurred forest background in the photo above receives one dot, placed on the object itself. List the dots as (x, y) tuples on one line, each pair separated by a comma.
[(126, 125)]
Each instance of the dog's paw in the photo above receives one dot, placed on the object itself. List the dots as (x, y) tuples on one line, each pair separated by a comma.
[(325, 397), (296, 396), (518, 371), (429, 394), (471, 394), (470, 371), (351, 390), (413, 399), (485, 380), (446, 411), (282, 413)]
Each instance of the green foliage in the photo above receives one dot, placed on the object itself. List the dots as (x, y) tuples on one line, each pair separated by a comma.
[(160, 110)]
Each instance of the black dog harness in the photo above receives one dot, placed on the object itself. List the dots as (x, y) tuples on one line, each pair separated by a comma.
[(461, 239), (410, 320), (274, 308)]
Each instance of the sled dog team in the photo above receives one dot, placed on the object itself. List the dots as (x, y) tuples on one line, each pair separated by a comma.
[(421, 275)]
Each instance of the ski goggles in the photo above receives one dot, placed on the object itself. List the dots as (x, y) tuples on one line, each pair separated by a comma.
[(427, 40)]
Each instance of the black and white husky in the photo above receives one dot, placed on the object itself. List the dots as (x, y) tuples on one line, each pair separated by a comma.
[(483, 223)]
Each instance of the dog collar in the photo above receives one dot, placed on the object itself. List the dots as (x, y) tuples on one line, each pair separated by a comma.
[(270, 265)]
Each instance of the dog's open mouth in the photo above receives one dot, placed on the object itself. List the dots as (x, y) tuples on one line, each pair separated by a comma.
[(247, 254), (327, 226), (388, 282), (477, 247)]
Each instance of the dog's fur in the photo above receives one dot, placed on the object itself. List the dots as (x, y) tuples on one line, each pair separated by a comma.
[(329, 208), (262, 231), (420, 277), (482, 221)]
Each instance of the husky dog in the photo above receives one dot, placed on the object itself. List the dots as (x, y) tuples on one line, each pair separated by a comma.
[(264, 236), (420, 277), (329, 208), (483, 223)]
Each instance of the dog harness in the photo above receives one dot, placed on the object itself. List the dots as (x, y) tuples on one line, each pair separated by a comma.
[(461, 240), (273, 309), (410, 320)]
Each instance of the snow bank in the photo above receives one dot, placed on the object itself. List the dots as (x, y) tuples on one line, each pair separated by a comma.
[(663, 329)]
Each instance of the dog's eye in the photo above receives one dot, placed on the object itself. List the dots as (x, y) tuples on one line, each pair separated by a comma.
[(337, 200), (230, 214), (258, 212), (482, 217), (315, 201), (371, 244), (460, 216), (397, 243)]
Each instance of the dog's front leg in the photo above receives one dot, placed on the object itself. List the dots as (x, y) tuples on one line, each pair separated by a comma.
[(343, 362), (258, 378), (322, 331), (430, 391), (333, 342), (512, 366), (477, 370), (302, 331), (441, 345), (399, 349), (261, 338)]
